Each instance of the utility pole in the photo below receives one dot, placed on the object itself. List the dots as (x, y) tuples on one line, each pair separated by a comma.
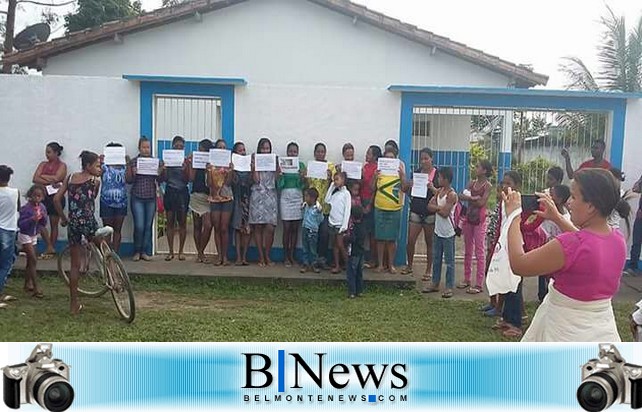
[(9, 32)]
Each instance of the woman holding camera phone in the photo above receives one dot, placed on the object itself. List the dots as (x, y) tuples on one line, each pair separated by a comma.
[(586, 262)]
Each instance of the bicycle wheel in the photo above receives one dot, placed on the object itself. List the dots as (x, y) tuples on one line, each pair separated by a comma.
[(91, 279), (120, 287)]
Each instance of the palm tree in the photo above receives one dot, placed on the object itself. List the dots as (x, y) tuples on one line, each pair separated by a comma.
[(620, 70), (620, 57)]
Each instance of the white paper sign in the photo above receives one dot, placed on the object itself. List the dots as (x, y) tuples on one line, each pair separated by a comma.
[(420, 185), (242, 163), (388, 166), (147, 166), (173, 158), (220, 157), (114, 156), (265, 162), (317, 170), (51, 190), (352, 169), (289, 164), (200, 160)]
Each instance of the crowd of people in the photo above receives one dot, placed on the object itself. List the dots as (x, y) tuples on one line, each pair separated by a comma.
[(569, 235)]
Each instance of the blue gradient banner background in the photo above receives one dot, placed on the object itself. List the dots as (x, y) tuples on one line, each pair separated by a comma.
[(211, 376)]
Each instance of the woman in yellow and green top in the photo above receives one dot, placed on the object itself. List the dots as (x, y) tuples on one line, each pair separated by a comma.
[(388, 204), (322, 186), (290, 186)]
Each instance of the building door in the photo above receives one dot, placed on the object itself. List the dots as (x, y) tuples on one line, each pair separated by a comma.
[(194, 118)]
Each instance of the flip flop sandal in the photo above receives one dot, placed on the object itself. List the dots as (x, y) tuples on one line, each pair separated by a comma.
[(7, 298), (426, 278), (473, 290), (500, 325), (181, 257), (431, 289), (406, 271), (463, 285), (169, 258), (512, 332), (38, 295), (447, 294)]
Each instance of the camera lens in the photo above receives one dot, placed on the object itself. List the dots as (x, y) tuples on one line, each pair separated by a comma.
[(597, 392), (53, 392), (58, 396), (592, 397)]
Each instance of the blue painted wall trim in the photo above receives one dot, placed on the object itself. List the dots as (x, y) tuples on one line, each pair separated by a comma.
[(149, 89), (503, 99), (186, 80), (225, 93), (513, 91)]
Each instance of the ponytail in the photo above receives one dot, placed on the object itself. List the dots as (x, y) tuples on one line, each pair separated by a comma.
[(623, 209)]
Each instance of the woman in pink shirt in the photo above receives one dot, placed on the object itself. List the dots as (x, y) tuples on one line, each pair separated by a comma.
[(586, 261)]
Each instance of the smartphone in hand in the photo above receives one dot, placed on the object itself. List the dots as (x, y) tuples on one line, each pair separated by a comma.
[(530, 203)]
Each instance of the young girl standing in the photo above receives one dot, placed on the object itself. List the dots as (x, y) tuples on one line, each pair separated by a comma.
[(291, 186), (322, 186), (474, 230), (143, 201), (221, 199), (199, 204), (263, 207), (33, 217), (83, 189), (176, 201), (338, 197), (242, 188), (443, 244), (113, 198), (51, 174), (368, 175)]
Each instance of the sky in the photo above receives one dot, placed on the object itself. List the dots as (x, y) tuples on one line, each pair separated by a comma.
[(536, 32)]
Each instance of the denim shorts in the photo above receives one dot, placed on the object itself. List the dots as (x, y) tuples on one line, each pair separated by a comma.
[(223, 207), (423, 220), (108, 212)]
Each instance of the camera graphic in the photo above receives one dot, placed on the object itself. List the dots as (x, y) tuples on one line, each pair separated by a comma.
[(41, 379), (609, 379)]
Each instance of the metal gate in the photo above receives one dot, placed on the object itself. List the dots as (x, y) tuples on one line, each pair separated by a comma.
[(194, 118), (528, 141)]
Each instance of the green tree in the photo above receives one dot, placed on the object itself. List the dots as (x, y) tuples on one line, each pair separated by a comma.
[(620, 57), (92, 13)]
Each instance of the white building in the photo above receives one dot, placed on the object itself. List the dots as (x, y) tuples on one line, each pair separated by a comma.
[(292, 70)]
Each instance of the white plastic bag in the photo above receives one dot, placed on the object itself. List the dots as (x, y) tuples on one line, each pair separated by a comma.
[(500, 278)]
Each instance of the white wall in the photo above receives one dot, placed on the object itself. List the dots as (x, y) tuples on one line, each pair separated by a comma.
[(276, 42), (79, 113), (309, 114)]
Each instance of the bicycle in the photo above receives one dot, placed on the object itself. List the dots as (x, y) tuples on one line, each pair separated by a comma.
[(102, 270)]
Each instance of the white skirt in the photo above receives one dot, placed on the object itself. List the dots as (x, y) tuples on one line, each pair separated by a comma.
[(291, 202), (562, 319)]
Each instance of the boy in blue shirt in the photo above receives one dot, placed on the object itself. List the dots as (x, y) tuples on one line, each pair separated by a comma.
[(312, 218)]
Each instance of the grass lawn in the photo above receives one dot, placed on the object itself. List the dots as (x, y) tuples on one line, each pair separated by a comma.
[(202, 309)]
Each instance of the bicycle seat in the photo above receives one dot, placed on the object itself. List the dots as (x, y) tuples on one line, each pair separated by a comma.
[(104, 231)]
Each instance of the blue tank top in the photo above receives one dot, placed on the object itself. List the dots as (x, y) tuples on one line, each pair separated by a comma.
[(113, 190)]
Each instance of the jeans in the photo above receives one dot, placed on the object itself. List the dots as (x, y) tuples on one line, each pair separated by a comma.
[(310, 239), (7, 254), (143, 211), (474, 238), (355, 275), (542, 287), (443, 248), (323, 247), (513, 307), (636, 243)]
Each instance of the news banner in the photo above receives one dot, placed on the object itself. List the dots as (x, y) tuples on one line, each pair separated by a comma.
[(320, 376)]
